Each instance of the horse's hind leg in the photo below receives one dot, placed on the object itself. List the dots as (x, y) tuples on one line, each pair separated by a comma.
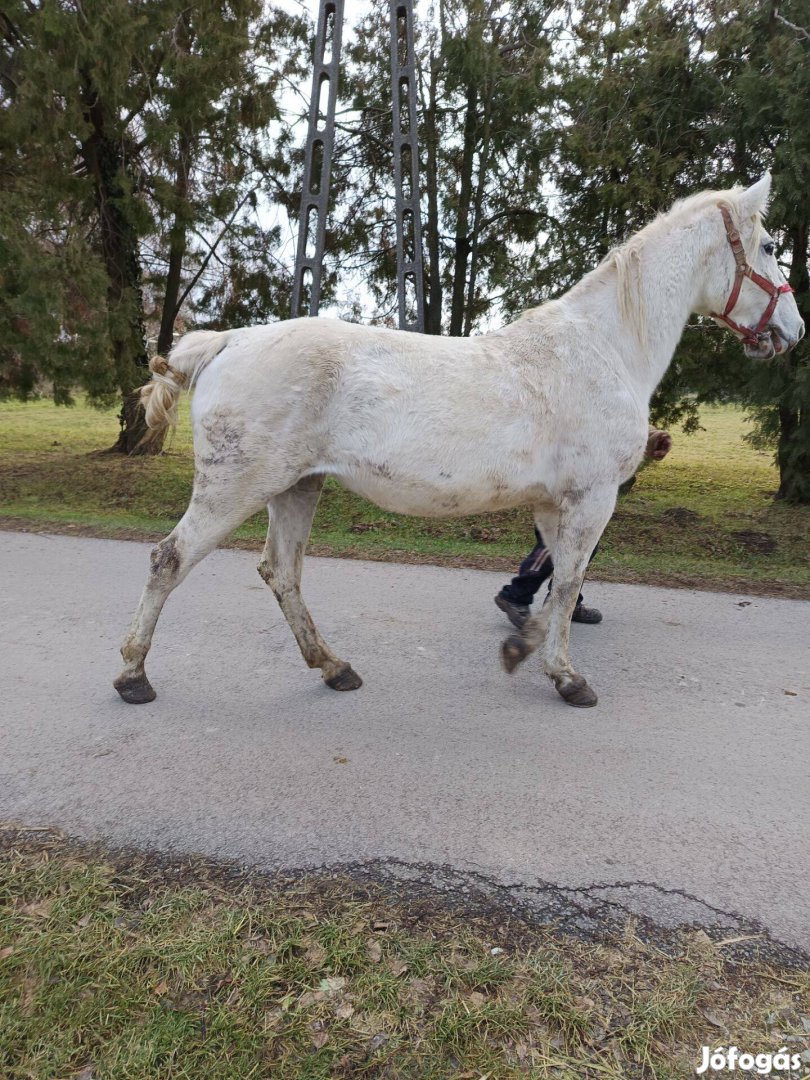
[(196, 534), (291, 515)]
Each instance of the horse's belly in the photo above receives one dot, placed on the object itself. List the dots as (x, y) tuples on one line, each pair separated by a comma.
[(403, 495)]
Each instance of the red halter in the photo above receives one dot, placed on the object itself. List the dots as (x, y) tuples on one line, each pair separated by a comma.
[(748, 336)]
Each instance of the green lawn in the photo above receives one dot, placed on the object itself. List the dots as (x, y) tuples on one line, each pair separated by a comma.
[(124, 968), (705, 516)]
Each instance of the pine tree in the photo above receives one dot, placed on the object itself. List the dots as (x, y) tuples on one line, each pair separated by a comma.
[(767, 55), (133, 122)]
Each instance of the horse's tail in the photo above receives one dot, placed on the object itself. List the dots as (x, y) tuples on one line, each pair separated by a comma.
[(159, 397)]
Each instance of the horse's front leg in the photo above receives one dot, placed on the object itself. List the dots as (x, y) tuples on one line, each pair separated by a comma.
[(580, 526)]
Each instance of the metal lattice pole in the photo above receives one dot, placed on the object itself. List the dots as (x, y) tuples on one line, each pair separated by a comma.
[(318, 157), (318, 163), (410, 279)]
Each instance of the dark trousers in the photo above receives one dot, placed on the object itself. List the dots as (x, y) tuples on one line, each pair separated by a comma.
[(536, 568)]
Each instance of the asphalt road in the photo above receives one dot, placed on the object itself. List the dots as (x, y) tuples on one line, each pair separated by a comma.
[(683, 796)]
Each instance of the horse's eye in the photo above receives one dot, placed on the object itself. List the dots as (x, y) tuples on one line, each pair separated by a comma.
[(768, 248)]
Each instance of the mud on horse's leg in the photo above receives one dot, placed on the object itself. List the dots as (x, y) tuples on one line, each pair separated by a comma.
[(291, 515)]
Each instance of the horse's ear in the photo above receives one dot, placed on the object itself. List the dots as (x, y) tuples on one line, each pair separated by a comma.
[(755, 199)]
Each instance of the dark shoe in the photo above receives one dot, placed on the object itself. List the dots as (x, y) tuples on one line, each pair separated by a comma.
[(586, 614), (517, 614)]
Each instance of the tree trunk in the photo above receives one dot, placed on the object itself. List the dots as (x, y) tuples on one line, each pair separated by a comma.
[(103, 159), (462, 240)]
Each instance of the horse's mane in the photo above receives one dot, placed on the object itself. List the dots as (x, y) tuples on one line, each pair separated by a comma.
[(626, 259)]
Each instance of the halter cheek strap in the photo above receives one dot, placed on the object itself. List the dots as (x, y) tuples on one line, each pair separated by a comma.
[(748, 335)]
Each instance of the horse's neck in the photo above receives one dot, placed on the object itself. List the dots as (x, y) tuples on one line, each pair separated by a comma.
[(664, 289)]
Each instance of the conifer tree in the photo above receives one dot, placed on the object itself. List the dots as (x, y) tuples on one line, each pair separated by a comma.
[(125, 122)]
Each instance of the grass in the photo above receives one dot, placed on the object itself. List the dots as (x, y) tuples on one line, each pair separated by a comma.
[(704, 517), (121, 968)]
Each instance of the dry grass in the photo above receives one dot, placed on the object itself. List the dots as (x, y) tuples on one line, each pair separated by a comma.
[(110, 971)]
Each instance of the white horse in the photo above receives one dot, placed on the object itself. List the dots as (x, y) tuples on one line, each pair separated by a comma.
[(550, 411)]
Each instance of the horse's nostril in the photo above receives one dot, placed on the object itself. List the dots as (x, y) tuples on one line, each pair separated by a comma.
[(801, 332)]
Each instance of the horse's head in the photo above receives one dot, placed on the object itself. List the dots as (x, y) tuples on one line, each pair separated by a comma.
[(746, 289)]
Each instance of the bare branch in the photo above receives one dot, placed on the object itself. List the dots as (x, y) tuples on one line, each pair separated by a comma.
[(213, 248), (800, 30)]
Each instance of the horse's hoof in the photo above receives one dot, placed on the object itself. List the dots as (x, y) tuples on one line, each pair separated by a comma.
[(577, 692), (346, 679), (135, 689), (513, 652)]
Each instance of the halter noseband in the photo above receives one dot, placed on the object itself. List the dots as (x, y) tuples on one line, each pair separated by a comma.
[(748, 335)]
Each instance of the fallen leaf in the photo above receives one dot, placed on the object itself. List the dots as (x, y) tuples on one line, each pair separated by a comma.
[(319, 1039), (315, 955), (374, 951), (263, 947), (476, 999), (790, 693), (333, 985), (309, 997), (714, 1019), (397, 967), (700, 937), (344, 1010), (272, 1018), (161, 989), (85, 920), (7, 951), (38, 909)]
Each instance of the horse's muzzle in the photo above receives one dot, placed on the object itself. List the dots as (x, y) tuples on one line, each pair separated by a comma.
[(771, 344)]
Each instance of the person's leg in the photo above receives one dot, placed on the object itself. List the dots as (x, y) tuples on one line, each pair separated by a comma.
[(515, 599), (536, 568)]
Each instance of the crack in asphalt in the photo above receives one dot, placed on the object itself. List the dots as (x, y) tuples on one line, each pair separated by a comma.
[(565, 909), (581, 910)]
